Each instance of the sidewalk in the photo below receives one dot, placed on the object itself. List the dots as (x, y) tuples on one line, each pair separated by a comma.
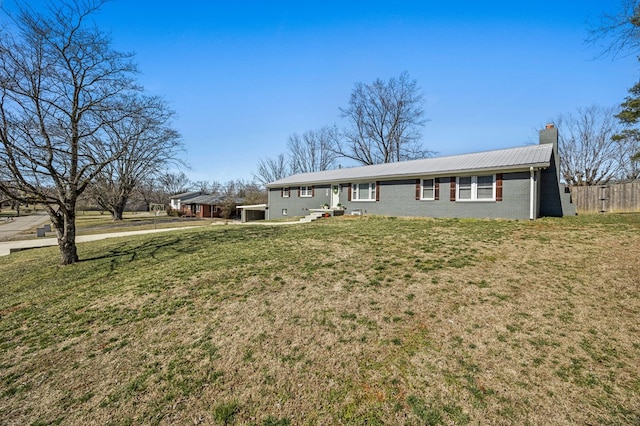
[(6, 248), (10, 246)]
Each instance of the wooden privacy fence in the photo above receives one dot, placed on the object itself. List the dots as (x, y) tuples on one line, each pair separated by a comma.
[(614, 198)]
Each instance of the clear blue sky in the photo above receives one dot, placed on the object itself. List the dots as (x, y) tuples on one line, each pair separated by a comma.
[(243, 76)]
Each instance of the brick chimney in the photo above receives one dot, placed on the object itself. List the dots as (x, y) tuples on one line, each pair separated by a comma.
[(550, 135)]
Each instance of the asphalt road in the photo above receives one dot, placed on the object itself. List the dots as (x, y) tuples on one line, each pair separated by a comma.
[(21, 224)]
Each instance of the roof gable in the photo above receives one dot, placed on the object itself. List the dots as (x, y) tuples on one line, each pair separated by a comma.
[(503, 159)]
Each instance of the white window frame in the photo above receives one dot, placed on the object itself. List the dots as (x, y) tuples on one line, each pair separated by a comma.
[(355, 191), (306, 191), (433, 189), (474, 190), (286, 192)]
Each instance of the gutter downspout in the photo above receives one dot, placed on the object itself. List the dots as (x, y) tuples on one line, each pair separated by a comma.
[(531, 193), (266, 213)]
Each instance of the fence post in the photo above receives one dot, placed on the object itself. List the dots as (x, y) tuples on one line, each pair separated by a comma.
[(603, 199)]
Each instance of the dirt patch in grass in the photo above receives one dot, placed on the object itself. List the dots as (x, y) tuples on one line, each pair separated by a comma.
[(368, 321)]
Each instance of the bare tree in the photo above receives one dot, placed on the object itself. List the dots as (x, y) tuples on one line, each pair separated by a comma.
[(146, 143), (174, 183), (201, 185), (151, 191), (386, 120), (253, 193), (230, 193), (619, 31), (313, 151), (589, 154), (62, 90), (271, 169), (212, 188), (629, 154)]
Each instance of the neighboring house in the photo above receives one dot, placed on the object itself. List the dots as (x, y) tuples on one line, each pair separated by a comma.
[(514, 183), (210, 206), (177, 200)]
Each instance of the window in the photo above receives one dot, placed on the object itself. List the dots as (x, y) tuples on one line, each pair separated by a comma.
[(476, 188), (285, 192), (284, 212), (363, 191), (484, 190), (427, 189), (306, 191), (464, 188)]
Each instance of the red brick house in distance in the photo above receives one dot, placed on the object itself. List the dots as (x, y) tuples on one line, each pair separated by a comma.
[(197, 204)]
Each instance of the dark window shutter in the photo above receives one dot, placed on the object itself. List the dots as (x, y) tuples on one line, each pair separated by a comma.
[(452, 190), (349, 193), (313, 190), (281, 192), (299, 191), (499, 187), (377, 191), (436, 189), (417, 189)]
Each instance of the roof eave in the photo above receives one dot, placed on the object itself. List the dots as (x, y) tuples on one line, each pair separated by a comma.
[(514, 168)]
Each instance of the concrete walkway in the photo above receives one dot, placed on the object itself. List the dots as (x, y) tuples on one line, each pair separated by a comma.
[(25, 223), (10, 246)]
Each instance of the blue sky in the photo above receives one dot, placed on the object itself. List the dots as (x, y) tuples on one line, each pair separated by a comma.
[(243, 76)]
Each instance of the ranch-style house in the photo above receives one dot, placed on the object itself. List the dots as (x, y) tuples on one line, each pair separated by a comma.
[(513, 183)]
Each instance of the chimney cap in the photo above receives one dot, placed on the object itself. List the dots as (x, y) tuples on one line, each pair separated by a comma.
[(549, 126)]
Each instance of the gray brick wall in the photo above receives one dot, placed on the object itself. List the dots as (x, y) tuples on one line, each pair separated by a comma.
[(296, 205), (397, 198), (554, 201)]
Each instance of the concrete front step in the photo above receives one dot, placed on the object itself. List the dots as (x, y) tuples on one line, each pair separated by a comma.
[(311, 217)]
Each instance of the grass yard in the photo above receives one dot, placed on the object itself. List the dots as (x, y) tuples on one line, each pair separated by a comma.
[(88, 223), (342, 321), (93, 223)]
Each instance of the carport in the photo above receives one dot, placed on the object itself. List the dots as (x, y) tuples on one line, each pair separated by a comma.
[(252, 212)]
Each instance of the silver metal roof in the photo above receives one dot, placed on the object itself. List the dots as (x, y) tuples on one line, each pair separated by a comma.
[(210, 199), (185, 195), (203, 199), (503, 159)]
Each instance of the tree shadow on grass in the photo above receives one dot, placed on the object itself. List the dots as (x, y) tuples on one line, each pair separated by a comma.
[(159, 247)]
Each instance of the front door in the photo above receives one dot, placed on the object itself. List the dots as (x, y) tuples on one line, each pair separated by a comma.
[(335, 195)]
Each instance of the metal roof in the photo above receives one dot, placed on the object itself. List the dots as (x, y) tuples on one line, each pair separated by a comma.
[(204, 199), (504, 159), (185, 195), (210, 199), (254, 207)]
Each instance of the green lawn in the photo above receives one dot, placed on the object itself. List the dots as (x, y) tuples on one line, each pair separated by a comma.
[(342, 321), (95, 223), (88, 223)]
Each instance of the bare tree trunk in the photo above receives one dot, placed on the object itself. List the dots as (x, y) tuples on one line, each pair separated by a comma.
[(64, 221), (117, 209)]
